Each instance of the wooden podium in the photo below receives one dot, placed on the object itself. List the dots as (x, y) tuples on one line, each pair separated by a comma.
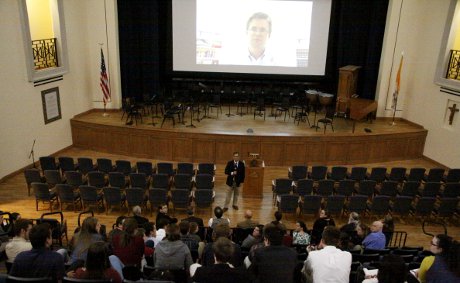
[(348, 81), (254, 179)]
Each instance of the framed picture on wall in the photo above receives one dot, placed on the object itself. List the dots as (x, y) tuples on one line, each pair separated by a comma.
[(51, 105)]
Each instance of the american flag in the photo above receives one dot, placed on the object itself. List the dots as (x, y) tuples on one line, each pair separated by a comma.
[(104, 81), (398, 83)]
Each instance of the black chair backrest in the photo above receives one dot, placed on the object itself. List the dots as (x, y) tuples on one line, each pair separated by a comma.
[(397, 174), (66, 163), (185, 168), (453, 176), (346, 187), (138, 180), (206, 168), (85, 165), (416, 174), (73, 178), (358, 203), (183, 181), (204, 181), (410, 188), (96, 179), (338, 173), (451, 190), (14, 279), (65, 192), (165, 168), (145, 167), (117, 179), (160, 180), (48, 163), (123, 166), (104, 165), (299, 172), (378, 174), (304, 187), (358, 173), (32, 175), (318, 172), (435, 175), (41, 191)]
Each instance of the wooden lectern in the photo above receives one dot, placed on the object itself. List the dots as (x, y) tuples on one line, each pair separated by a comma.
[(254, 178)]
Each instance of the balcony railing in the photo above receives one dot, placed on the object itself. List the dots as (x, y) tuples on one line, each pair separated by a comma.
[(453, 69), (45, 53)]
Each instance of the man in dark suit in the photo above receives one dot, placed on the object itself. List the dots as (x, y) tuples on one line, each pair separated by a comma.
[(192, 218), (274, 262), (222, 271), (235, 176)]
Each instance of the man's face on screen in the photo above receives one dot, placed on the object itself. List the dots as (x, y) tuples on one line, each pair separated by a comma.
[(258, 34)]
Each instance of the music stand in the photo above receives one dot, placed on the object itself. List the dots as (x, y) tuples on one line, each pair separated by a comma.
[(229, 104), (191, 117)]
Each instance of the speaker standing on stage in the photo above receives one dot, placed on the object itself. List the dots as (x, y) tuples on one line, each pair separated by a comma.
[(235, 176)]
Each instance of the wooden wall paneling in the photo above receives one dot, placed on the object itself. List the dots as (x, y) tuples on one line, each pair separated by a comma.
[(272, 153), (225, 149), (295, 153), (182, 150), (415, 147), (337, 152), (377, 150), (250, 147), (140, 145), (122, 141), (358, 152), (316, 153), (396, 149), (204, 150), (162, 148)]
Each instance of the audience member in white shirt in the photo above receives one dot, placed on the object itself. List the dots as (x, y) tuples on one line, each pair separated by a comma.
[(20, 241)]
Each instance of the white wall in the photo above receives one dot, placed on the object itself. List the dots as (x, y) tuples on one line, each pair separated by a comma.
[(21, 114), (420, 101)]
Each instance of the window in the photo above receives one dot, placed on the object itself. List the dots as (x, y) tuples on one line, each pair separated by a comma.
[(44, 38), (447, 72)]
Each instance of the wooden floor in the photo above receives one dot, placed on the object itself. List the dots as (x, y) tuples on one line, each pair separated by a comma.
[(238, 124), (13, 198)]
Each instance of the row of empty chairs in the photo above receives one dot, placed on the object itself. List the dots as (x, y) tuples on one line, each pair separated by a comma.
[(380, 205), (378, 174), (370, 188), (116, 179), (85, 196), (85, 165)]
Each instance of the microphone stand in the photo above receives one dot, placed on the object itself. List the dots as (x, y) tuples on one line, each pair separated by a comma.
[(32, 155)]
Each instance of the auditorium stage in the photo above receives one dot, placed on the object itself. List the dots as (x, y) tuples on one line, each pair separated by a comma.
[(279, 142)]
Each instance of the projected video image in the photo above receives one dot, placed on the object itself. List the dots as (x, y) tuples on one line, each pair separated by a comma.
[(260, 33)]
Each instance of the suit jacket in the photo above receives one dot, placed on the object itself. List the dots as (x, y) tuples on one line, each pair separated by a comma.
[(239, 177), (274, 264), (221, 273), (195, 219), (248, 223)]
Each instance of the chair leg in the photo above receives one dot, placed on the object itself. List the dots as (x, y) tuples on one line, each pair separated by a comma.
[(36, 204)]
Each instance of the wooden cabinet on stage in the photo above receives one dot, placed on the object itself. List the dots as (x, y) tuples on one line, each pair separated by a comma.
[(348, 81), (254, 179)]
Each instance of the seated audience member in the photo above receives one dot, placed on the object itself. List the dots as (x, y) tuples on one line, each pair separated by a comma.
[(254, 238), (388, 228), (362, 230), (172, 253), (20, 241), (277, 221), (194, 229), (163, 214), (150, 233), (392, 269), (247, 222), (353, 222), (161, 231), (323, 221), (444, 266), (300, 235), (192, 218), (186, 238), (217, 219), (40, 261), (328, 264), (148, 248), (118, 229), (97, 265), (128, 247), (88, 234), (3, 234), (376, 239), (137, 215), (222, 271), (220, 231), (274, 262)]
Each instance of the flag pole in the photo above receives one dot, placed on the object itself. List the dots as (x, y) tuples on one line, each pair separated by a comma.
[(395, 102), (103, 84), (398, 86)]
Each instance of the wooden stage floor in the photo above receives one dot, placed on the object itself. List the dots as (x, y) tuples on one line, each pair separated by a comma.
[(237, 125), (279, 142)]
